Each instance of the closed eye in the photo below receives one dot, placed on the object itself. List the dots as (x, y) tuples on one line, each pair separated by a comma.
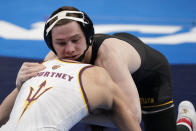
[(75, 40), (61, 43)]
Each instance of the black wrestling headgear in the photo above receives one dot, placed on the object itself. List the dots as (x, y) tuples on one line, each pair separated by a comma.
[(84, 21)]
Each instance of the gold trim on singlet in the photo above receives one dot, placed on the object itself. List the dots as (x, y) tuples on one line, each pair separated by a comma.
[(170, 102), (82, 91), (68, 61)]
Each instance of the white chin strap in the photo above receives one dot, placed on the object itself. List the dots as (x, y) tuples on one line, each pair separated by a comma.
[(63, 15)]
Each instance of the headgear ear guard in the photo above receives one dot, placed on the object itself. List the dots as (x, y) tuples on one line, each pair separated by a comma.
[(85, 23)]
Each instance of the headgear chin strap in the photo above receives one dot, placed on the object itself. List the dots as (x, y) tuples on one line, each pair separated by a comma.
[(84, 21)]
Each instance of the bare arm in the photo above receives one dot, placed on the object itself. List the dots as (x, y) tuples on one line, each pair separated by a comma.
[(7, 105), (117, 66), (103, 93), (123, 116)]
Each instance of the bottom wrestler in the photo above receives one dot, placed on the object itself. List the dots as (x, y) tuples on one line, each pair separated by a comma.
[(61, 95)]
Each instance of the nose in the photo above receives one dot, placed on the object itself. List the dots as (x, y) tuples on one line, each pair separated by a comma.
[(69, 48)]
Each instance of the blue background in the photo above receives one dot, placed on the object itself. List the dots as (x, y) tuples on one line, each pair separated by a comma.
[(24, 13), (181, 13)]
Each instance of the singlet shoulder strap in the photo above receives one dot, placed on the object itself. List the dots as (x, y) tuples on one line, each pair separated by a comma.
[(97, 41)]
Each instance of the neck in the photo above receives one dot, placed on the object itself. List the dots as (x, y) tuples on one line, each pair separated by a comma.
[(87, 56)]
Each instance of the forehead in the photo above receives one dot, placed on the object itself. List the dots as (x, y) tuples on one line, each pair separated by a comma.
[(70, 28)]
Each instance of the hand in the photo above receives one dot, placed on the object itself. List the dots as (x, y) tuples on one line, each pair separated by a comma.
[(27, 70)]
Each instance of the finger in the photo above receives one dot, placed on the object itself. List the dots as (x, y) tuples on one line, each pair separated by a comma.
[(27, 65), (31, 64), (23, 78), (34, 69), (27, 76), (33, 74), (25, 69)]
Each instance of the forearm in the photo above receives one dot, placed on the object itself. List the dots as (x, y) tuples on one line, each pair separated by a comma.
[(134, 103), (129, 89), (124, 118), (6, 106), (122, 114)]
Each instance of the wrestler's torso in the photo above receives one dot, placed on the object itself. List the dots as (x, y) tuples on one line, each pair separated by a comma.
[(53, 100)]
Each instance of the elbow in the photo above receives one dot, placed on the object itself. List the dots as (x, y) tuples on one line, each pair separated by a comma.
[(3, 121), (139, 115), (136, 110)]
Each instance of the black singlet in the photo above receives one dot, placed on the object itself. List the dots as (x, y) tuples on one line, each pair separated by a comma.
[(153, 78)]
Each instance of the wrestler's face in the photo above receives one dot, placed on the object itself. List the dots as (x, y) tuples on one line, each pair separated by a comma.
[(69, 40)]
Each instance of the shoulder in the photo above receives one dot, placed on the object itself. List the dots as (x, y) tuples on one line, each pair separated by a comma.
[(99, 38), (111, 48), (96, 76), (94, 72)]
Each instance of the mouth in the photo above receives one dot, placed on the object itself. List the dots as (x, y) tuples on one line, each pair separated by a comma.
[(74, 57)]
